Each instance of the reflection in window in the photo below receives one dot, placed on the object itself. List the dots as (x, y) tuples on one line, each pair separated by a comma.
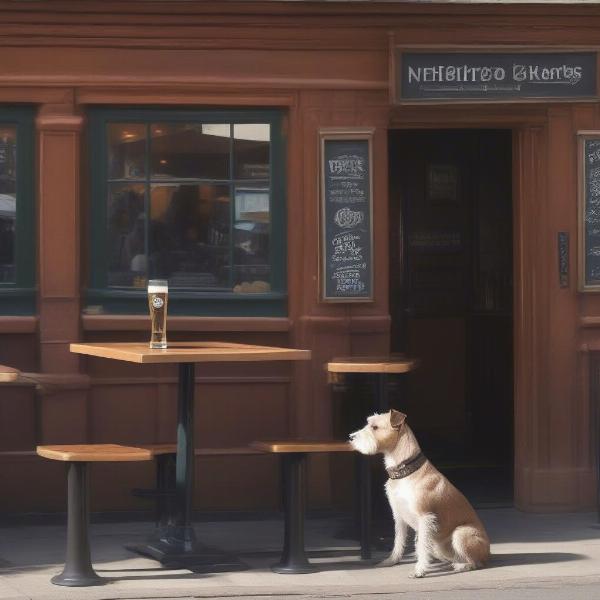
[(190, 234), (251, 238), (8, 202), (126, 235), (189, 202)]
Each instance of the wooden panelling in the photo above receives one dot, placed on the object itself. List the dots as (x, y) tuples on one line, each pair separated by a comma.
[(325, 65), (17, 418), (18, 351), (120, 416)]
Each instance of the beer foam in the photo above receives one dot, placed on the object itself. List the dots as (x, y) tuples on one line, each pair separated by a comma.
[(158, 289)]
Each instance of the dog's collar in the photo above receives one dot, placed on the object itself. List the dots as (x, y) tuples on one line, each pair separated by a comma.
[(406, 468)]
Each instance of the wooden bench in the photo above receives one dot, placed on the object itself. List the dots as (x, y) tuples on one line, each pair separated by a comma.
[(78, 570), (294, 454)]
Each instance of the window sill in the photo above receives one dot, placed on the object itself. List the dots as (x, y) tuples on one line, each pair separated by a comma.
[(142, 323), (15, 324), (183, 303)]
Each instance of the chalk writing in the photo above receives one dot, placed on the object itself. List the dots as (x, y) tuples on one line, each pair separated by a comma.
[(346, 220), (591, 212)]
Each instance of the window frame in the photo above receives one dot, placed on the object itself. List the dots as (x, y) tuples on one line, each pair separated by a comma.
[(18, 298), (114, 300)]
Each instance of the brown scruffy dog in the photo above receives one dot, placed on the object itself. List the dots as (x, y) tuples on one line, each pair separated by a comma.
[(446, 525)]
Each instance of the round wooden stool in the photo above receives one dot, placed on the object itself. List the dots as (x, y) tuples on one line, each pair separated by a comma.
[(381, 367), (78, 571)]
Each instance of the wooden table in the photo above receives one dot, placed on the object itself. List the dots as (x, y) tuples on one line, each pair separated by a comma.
[(381, 366), (8, 374), (177, 545)]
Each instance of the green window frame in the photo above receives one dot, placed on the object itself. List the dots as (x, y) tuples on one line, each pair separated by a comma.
[(102, 298), (18, 298)]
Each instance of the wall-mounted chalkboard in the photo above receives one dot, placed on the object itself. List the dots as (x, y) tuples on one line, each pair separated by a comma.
[(507, 76), (589, 211), (346, 216)]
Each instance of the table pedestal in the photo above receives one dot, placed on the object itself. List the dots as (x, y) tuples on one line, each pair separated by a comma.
[(176, 544)]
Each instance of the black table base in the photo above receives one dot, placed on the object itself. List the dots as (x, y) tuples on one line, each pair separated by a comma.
[(195, 557), (176, 545)]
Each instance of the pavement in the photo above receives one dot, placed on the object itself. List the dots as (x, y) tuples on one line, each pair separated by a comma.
[(549, 557)]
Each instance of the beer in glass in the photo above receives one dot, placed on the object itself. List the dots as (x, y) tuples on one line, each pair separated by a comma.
[(158, 298)]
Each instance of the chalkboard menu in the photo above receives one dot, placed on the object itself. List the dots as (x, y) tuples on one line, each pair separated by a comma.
[(589, 211), (494, 75), (346, 226)]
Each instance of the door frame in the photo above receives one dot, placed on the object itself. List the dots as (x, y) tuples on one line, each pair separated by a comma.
[(528, 124)]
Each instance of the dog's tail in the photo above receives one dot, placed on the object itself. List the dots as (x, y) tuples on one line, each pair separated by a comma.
[(471, 546)]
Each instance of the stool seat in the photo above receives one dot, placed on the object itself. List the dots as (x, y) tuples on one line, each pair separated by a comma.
[(302, 446), (95, 453), (394, 363), (8, 374), (294, 456)]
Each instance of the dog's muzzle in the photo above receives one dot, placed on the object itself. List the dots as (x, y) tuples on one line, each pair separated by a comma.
[(363, 441)]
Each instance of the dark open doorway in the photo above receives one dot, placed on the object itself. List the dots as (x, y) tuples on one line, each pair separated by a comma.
[(451, 300)]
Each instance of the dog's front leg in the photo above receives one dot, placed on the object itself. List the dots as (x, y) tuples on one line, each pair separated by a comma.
[(426, 528), (400, 530)]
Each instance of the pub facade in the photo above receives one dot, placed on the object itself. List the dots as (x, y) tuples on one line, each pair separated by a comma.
[(350, 178)]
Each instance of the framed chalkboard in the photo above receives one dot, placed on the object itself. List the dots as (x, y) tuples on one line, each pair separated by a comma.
[(422, 75), (589, 211), (346, 186)]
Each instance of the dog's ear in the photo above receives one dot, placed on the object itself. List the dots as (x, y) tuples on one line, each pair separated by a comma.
[(397, 418)]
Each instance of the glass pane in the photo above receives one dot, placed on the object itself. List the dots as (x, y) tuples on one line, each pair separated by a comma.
[(126, 236), (251, 150), (190, 235), (126, 151), (252, 272), (8, 202), (190, 151)]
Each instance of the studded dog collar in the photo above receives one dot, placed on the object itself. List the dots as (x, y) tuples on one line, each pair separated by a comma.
[(407, 468)]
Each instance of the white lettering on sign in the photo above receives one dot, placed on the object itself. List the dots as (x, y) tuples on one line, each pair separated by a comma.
[(521, 73), (347, 165)]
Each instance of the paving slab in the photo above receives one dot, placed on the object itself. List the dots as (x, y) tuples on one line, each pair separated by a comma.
[(539, 555)]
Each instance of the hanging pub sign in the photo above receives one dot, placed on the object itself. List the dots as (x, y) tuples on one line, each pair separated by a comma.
[(346, 190), (589, 211), (424, 76)]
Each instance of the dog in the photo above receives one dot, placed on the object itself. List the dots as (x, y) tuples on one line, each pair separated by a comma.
[(446, 525)]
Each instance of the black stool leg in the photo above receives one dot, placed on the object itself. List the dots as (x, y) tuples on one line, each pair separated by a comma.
[(78, 569), (293, 558), (363, 476)]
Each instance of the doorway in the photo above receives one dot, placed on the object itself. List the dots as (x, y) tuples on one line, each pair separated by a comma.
[(451, 300)]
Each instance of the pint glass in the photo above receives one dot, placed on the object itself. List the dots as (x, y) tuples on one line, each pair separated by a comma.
[(158, 298)]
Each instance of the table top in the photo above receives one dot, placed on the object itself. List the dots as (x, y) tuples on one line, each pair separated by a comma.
[(394, 363), (8, 374), (189, 352)]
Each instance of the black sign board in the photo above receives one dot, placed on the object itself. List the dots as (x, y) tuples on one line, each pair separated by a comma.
[(589, 212), (443, 76), (346, 226)]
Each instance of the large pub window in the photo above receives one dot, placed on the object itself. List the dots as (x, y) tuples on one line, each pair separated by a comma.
[(17, 212), (192, 197)]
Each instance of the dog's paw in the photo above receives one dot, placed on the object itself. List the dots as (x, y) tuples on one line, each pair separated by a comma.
[(460, 567), (419, 572), (390, 561)]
